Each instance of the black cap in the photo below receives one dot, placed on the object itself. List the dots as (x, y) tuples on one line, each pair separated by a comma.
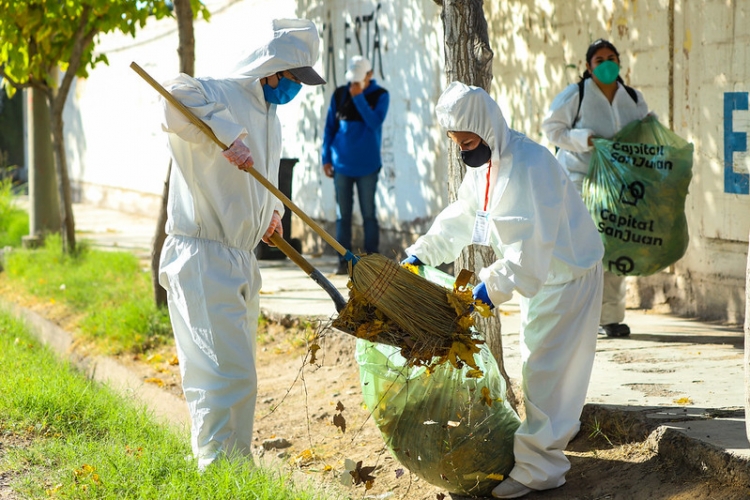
[(307, 75)]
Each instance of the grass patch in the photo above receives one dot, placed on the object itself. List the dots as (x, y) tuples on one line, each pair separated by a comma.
[(80, 440), (14, 222), (109, 291)]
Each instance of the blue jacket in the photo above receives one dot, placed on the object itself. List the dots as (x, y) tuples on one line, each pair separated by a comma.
[(354, 129)]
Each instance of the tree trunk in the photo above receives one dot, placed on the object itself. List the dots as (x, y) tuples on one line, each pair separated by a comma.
[(160, 294), (67, 222), (468, 59), (186, 50)]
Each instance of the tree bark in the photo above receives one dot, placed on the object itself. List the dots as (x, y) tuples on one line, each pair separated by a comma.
[(468, 59), (67, 221), (186, 51)]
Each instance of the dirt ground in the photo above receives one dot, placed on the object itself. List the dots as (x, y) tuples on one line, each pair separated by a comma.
[(317, 410), (612, 457)]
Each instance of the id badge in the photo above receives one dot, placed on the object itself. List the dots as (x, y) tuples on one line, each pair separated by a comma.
[(481, 233)]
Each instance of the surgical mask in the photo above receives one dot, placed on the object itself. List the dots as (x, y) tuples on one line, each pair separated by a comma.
[(607, 72), (478, 156), (284, 92)]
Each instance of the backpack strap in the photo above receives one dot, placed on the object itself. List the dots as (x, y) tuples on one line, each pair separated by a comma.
[(630, 90)]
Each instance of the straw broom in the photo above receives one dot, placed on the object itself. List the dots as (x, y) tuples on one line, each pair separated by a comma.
[(419, 307)]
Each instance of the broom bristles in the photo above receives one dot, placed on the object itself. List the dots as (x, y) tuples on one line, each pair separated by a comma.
[(420, 307)]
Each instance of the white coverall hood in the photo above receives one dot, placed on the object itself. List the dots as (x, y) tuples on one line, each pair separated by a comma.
[(462, 108), (294, 43), (540, 230)]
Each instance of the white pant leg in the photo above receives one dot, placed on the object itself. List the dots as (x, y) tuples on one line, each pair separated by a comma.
[(558, 342), (613, 299), (213, 298)]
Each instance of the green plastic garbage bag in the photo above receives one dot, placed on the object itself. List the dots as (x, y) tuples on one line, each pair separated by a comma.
[(635, 191), (452, 431)]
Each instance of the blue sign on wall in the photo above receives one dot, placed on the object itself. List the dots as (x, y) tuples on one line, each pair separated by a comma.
[(734, 182)]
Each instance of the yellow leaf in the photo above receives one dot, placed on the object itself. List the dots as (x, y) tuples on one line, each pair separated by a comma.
[(370, 330), (304, 457), (465, 322), (462, 352), (496, 477), (155, 358), (411, 268), (313, 352), (683, 401), (155, 381), (482, 309), (486, 397)]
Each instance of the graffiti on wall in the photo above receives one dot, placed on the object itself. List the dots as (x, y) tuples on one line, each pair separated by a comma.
[(735, 143), (361, 37)]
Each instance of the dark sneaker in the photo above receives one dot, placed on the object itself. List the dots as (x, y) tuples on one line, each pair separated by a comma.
[(342, 269), (614, 330)]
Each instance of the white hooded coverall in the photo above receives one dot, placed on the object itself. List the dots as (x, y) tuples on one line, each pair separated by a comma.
[(217, 214), (548, 250), (598, 118)]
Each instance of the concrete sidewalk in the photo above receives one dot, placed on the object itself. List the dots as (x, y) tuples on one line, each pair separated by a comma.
[(684, 374)]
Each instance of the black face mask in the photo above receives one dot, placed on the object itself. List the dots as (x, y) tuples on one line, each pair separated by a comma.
[(478, 156)]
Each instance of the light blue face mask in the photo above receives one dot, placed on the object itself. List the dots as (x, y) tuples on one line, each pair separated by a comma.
[(607, 72), (285, 91)]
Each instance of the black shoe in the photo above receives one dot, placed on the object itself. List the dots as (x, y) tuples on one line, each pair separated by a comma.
[(343, 268), (614, 330)]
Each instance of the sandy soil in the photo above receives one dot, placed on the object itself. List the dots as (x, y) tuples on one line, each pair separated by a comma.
[(612, 457)]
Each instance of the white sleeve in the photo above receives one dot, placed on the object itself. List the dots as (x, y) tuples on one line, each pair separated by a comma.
[(558, 123), (451, 231), (192, 94)]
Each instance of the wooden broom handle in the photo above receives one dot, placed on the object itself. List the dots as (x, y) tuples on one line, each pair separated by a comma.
[(291, 252), (266, 183)]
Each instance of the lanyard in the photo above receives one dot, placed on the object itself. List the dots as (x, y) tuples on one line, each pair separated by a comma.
[(487, 189)]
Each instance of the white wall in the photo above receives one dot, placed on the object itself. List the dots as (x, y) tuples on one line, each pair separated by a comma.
[(118, 156), (117, 149), (540, 48)]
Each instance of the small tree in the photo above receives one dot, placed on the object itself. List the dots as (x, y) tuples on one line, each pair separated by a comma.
[(185, 11), (468, 59), (40, 37)]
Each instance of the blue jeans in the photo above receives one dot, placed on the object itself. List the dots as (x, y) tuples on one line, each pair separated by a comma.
[(366, 188)]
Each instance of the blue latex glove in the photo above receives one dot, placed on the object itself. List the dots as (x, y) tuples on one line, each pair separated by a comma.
[(413, 260), (480, 293)]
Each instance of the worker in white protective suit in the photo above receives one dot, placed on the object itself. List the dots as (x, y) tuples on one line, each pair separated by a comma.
[(599, 105), (517, 199), (217, 215)]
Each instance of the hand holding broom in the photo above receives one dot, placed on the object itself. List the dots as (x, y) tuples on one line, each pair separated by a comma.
[(384, 283)]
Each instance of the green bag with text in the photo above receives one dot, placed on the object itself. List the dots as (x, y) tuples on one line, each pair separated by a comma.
[(454, 431), (635, 191)]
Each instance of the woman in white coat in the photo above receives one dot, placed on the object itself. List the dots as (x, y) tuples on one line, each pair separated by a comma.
[(517, 199), (217, 215), (597, 106)]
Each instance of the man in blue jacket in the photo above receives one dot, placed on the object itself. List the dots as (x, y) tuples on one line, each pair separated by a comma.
[(351, 152)]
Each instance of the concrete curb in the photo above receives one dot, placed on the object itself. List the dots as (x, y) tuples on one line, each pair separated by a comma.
[(668, 442), (703, 458), (164, 406)]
